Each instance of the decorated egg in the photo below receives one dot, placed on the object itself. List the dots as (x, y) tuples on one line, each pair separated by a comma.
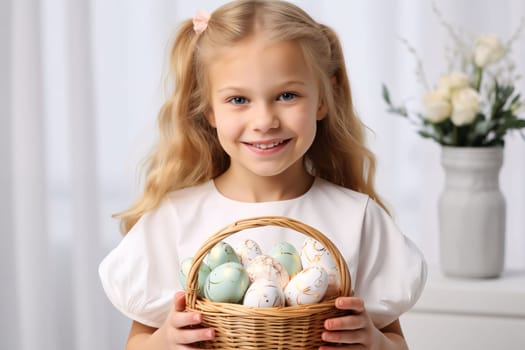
[(204, 271), (314, 253), (264, 293), (221, 253), (287, 255), (227, 283), (247, 249), (266, 267), (307, 287)]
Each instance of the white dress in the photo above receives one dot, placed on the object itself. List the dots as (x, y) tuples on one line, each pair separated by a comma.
[(140, 275)]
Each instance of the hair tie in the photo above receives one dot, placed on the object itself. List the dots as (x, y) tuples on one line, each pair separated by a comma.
[(200, 21)]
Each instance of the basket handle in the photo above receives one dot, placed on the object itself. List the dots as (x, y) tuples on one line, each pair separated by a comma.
[(281, 221)]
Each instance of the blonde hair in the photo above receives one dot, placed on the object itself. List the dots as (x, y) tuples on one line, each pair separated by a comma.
[(188, 151)]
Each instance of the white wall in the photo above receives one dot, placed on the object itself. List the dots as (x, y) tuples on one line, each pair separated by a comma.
[(123, 45)]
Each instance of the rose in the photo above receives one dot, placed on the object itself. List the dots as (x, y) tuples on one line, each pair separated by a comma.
[(452, 111), (465, 106), (453, 81), (437, 105), (487, 50)]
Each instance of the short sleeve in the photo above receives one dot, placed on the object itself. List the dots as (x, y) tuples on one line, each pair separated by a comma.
[(139, 276), (391, 272)]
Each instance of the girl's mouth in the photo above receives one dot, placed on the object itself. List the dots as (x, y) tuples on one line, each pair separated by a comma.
[(265, 146)]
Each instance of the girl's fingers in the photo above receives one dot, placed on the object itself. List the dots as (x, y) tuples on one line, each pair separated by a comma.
[(349, 322), (185, 319), (193, 335), (350, 303), (351, 329), (355, 320), (179, 301), (185, 325), (345, 337), (339, 347), (179, 318)]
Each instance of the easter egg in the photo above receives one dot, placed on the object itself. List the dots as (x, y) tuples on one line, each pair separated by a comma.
[(266, 267), (247, 249), (307, 287), (221, 253), (314, 253), (227, 283), (287, 255), (264, 293), (204, 271)]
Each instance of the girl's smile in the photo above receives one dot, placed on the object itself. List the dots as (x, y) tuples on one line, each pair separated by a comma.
[(265, 106), (265, 147)]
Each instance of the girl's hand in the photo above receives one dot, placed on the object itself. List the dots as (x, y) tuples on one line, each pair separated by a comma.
[(355, 329), (177, 327)]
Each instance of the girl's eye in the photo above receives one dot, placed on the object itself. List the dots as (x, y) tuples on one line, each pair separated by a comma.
[(237, 100), (287, 96)]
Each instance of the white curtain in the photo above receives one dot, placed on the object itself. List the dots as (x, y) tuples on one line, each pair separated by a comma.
[(80, 86)]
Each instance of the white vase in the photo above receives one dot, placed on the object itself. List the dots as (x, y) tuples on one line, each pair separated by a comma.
[(472, 213)]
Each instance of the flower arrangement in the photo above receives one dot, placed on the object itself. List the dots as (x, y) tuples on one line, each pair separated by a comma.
[(475, 103)]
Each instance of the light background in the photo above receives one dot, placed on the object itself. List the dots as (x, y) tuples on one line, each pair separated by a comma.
[(80, 87)]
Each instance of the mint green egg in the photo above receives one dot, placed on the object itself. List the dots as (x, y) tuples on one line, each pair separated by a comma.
[(227, 283), (221, 253), (204, 271), (288, 256)]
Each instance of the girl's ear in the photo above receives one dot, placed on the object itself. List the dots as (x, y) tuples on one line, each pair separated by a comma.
[(210, 116), (322, 111)]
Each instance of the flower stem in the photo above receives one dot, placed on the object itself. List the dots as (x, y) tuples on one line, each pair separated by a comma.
[(478, 73)]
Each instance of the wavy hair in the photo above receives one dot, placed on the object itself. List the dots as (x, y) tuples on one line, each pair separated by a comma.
[(188, 151)]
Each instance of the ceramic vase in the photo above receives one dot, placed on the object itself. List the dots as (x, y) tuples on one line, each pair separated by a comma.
[(472, 213)]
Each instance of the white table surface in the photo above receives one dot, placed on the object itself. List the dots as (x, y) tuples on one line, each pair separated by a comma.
[(464, 314), (503, 296)]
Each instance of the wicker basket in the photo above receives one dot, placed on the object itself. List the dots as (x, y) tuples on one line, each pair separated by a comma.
[(242, 327)]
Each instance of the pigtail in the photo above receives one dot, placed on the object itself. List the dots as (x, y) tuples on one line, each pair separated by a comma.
[(187, 151), (339, 152)]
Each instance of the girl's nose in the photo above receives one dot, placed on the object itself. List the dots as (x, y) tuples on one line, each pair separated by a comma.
[(265, 118)]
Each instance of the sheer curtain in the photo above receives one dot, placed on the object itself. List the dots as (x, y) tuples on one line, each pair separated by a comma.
[(81, 84)]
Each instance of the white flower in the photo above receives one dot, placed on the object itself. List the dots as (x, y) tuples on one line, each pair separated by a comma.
[(437, 105), (465, 106), (488, 49), (453, 81)]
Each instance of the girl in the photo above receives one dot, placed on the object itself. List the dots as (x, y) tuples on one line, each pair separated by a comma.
[(260, 123)]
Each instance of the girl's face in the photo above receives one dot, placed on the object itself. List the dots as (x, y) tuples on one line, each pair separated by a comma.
[(265, 104)]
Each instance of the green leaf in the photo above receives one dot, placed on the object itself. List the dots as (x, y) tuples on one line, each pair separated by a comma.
[(501, 96), (428, 135), (479, 118), (398, 110), (485, 127), (386, 94), (515, 99), (514, 124)]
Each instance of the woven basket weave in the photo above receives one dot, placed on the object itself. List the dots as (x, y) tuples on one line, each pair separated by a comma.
[(242, 327)]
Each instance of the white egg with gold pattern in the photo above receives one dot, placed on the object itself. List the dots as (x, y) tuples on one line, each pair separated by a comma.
[(307, 287), (314, 253), (247, 249), (264, 293), (264, 266)]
